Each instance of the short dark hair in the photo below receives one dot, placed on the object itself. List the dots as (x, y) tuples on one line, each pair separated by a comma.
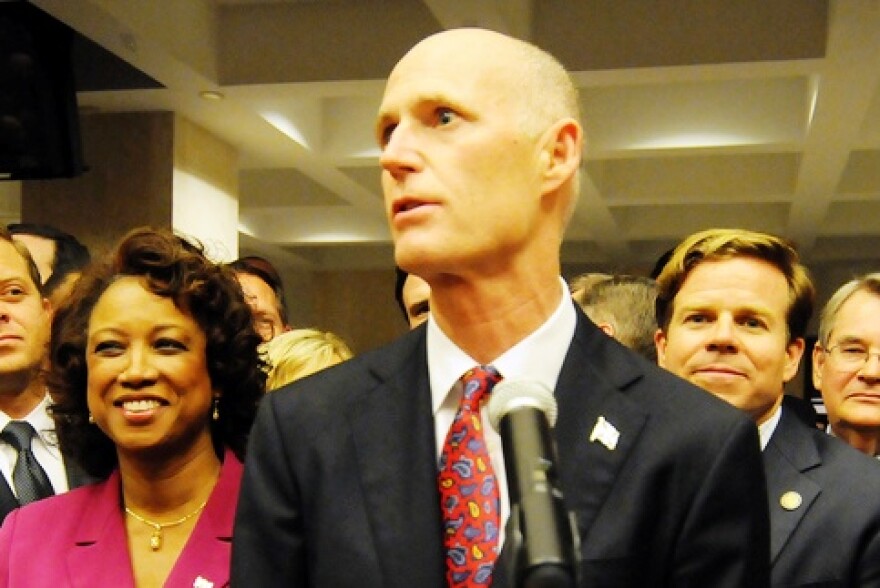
[(262, 268), (173, 268), (33, 272), (70, 255)]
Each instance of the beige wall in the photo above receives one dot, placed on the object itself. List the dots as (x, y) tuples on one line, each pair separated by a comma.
[(358, 306), (128, 182)]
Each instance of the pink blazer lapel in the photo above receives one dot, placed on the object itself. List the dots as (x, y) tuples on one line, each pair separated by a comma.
[(204, 562), (99, 555)]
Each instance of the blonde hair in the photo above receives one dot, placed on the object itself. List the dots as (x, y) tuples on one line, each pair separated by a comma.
[(301, 352)]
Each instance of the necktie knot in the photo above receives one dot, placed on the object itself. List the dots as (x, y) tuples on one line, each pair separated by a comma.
[(477, 383), (28, 477), (18, 434)]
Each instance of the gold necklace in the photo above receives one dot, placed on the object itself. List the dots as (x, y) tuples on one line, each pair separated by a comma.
[(156, 537)]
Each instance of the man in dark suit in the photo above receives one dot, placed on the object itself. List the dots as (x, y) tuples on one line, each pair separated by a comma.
[(24, 337), (481, 146), (733, 306), (844, 370)]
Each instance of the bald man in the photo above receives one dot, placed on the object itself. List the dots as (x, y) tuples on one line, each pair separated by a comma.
[(481, 146)]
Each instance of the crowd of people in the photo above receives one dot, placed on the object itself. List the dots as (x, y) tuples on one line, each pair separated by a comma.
[(140, 444)]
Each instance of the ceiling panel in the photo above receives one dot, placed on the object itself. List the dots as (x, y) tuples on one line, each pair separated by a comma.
[(670, 180), (698, 113)]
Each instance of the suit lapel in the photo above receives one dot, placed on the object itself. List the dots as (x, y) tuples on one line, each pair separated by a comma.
[(8, 501), (589, 389), (76, 477), (207, 552), (393, 431), (99, 555), (789, 454)]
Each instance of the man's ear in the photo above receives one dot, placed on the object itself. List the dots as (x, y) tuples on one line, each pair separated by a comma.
[(818, 359), (660, 344), (560, 153), (793, 352), (606, 328)]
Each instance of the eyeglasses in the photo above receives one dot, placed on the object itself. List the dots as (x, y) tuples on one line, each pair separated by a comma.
[(850, 356)]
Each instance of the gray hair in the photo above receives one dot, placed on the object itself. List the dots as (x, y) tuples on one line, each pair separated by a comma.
[(866, 283)]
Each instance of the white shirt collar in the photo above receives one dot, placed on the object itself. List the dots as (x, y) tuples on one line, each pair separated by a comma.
[(766, 429), (39, 419), (539, 356)]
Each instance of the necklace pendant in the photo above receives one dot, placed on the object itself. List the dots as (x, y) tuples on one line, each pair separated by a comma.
[(156, 540)]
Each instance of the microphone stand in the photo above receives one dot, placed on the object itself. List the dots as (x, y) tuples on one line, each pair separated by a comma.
[(541, 543)]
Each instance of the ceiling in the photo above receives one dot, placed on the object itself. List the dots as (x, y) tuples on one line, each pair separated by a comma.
[(762, 114)]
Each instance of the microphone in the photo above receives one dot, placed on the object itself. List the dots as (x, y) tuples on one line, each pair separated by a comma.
[(541, 542)]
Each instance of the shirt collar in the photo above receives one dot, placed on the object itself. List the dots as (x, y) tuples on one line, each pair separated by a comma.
[(766, 429), (39, 419), (539, 356)]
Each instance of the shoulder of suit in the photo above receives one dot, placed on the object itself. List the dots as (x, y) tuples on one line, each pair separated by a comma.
[(327, 391), (834, 451)]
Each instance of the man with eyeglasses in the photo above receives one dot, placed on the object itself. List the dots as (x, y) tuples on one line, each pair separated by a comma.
[(732, 307), (846, 363)]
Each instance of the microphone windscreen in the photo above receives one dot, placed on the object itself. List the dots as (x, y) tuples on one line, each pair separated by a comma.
[(510, 395)]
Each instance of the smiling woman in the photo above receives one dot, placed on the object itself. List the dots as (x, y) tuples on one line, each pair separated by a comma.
[(156, 377)]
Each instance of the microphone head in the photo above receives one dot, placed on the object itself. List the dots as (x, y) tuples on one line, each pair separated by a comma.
[(510, 395)]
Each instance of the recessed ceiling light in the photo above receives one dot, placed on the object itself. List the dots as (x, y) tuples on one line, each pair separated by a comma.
[(211, 95)]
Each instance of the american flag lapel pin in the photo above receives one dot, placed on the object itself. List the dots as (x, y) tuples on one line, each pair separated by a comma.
[(605, 433)]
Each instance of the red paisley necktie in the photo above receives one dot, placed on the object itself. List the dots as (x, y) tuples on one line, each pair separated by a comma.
[(469, 495)]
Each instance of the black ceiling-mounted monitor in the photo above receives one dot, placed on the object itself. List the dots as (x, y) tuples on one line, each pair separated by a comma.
[(39, 124)]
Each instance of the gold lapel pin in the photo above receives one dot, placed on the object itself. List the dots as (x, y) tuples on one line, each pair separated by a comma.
[(791, 500)]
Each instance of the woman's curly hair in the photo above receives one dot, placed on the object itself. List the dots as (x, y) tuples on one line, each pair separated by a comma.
[(177, 269)]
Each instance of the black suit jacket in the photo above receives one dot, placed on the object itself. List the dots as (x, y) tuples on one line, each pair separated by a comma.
[(76, 477), (832, 538), (340, 480)]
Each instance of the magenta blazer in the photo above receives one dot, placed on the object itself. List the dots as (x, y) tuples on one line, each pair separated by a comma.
[(78, 539)]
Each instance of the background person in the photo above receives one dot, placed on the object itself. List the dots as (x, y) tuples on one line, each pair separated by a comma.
[(300, 353), (32, 465), (623, 307), (733, 306), (59, 256), (846, 365), (156, 375), (583, 282), (413, 295), (264, 292)]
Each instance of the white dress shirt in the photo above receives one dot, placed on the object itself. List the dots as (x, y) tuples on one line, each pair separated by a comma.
[(44, 446), (538, 357), (766, 429)]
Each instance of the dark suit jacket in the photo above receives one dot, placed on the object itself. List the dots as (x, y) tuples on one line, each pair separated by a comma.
[(78, 539), (832, 538), (340, 481), (76, 477)]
